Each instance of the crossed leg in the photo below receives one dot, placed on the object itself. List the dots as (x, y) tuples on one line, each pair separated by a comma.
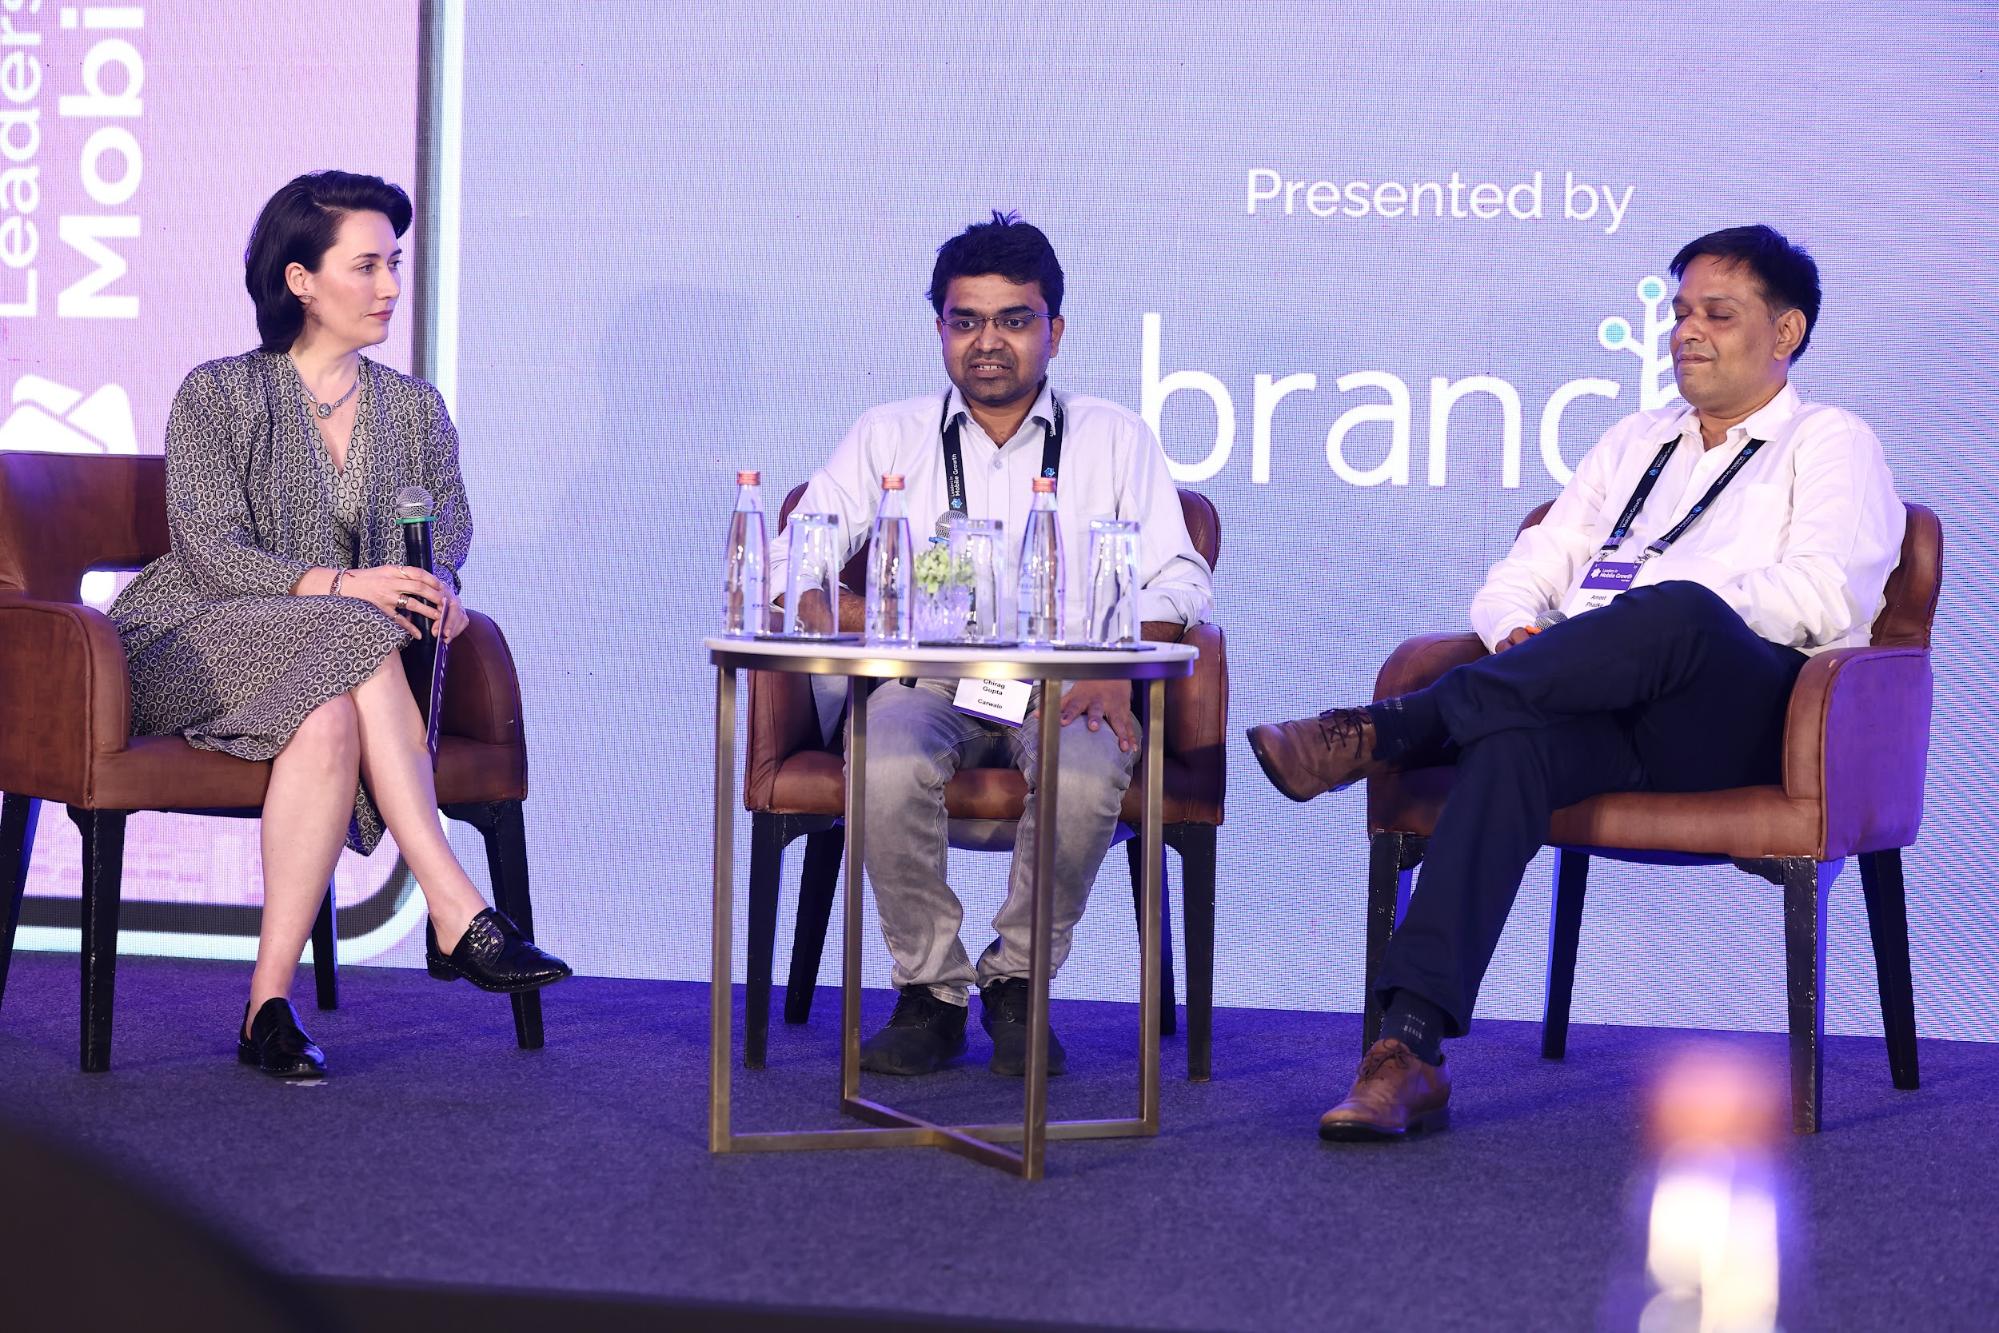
[(371, 734)]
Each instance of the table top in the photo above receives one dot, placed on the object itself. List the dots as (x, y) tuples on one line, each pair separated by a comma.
[(822, 657)]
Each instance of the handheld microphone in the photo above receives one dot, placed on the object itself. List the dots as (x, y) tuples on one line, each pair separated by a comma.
[(423, 659), (945, 520), (1547, 620), (415, 515)]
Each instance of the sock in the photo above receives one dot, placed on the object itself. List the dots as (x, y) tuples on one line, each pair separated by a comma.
[(1417, 1024), (1408, 724)]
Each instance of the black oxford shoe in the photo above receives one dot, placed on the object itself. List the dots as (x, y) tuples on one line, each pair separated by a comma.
[(493, 955), (277, 1045)]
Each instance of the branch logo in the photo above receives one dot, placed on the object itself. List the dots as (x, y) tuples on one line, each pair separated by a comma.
[(1418, 417), (52, 418), (1655, 383)]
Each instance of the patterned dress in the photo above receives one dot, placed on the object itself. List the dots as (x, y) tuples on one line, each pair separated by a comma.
[(218, 648)]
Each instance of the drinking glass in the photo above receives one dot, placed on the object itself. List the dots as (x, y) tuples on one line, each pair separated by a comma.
[(978, 559), (817, 552), (1113, 582)]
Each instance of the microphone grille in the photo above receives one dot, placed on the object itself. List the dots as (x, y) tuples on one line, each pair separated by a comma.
[(414, 502)]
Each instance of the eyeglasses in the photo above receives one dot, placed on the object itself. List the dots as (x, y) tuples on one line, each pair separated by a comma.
[(1014, 321)]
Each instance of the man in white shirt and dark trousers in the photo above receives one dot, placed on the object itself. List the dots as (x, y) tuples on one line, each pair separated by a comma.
[(1645, 637), (976, 450)]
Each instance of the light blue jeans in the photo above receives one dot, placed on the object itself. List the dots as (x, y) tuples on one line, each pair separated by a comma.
[(916, 741)]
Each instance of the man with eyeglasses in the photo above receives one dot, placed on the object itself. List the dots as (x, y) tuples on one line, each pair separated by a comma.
[(976, 450), (1644, 636)]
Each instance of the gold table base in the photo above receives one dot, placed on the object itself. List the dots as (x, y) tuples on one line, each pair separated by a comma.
[(886, 1126)]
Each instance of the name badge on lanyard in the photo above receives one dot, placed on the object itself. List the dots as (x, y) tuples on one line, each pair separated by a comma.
[(1003, 701), (1602, 583), (1606, 579)]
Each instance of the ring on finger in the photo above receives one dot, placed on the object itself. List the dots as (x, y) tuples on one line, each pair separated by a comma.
[(402, 601)]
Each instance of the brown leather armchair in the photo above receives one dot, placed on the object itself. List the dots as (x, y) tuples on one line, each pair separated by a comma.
[(66, 717), (794, 785), (1856, 743)]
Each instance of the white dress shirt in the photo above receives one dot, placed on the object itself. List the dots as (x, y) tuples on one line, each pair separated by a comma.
[(1111, 467), (1800, 544)]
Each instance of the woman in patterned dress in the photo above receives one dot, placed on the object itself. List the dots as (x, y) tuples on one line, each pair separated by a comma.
[(271, 630)]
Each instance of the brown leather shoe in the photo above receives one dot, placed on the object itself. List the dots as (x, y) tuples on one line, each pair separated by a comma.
[(1396, 1094), (1314, 755)]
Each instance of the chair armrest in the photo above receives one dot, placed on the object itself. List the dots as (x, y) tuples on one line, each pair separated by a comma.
[(64, 695), (1197, 718), (1197, 706), (1418, 662), (1408, 798), (1857, 740), (783, 716), (482, 690), (783, 721)]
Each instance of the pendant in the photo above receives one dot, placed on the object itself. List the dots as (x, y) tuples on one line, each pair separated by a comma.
[(325, 410)]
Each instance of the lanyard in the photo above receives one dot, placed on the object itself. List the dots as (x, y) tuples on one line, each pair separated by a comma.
[(1658, 545), (954, 453)]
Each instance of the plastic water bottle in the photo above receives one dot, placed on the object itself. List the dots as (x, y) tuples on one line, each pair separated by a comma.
[(1041, 570), (748, 556), (889, 569)]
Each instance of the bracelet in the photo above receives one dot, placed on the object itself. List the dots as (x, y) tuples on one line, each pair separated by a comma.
[(338, 575)]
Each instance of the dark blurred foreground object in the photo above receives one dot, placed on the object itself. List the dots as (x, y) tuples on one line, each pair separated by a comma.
[(1856, 746), (81, 1250), (66, 723)]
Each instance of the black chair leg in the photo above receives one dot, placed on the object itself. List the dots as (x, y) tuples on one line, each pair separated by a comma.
[(1197, 912), (17, 843), (1565, 928), (326, 953), (507, 864), (505, 833), (103, 866), (767, 840), (817, 883), (1888, 923), (1134, 857), (1391, 858), (1806, 885)]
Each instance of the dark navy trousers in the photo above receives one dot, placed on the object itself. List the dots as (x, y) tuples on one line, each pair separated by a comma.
[(1665, 689)]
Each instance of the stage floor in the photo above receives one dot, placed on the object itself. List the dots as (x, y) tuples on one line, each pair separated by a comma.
[(411, 1162)]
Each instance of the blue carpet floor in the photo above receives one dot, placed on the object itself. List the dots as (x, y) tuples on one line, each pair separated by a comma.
[(439, 1153)]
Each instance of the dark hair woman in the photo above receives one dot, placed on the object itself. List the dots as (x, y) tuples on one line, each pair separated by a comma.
[(272, 628)]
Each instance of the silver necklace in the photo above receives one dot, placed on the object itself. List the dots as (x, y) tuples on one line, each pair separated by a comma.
[(325, 410)]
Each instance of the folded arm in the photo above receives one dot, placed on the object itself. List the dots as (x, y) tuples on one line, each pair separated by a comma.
[(208, 507), (849, 486), (452, 534), (1174, 583), (1546, 559), (1844, 537)]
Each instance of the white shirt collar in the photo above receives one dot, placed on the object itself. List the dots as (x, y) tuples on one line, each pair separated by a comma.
[(1761, 424), (1043, 410)]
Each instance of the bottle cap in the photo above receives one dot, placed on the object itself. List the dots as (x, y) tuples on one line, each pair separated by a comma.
[(1044, 485), (749, 478), (891, 481)]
